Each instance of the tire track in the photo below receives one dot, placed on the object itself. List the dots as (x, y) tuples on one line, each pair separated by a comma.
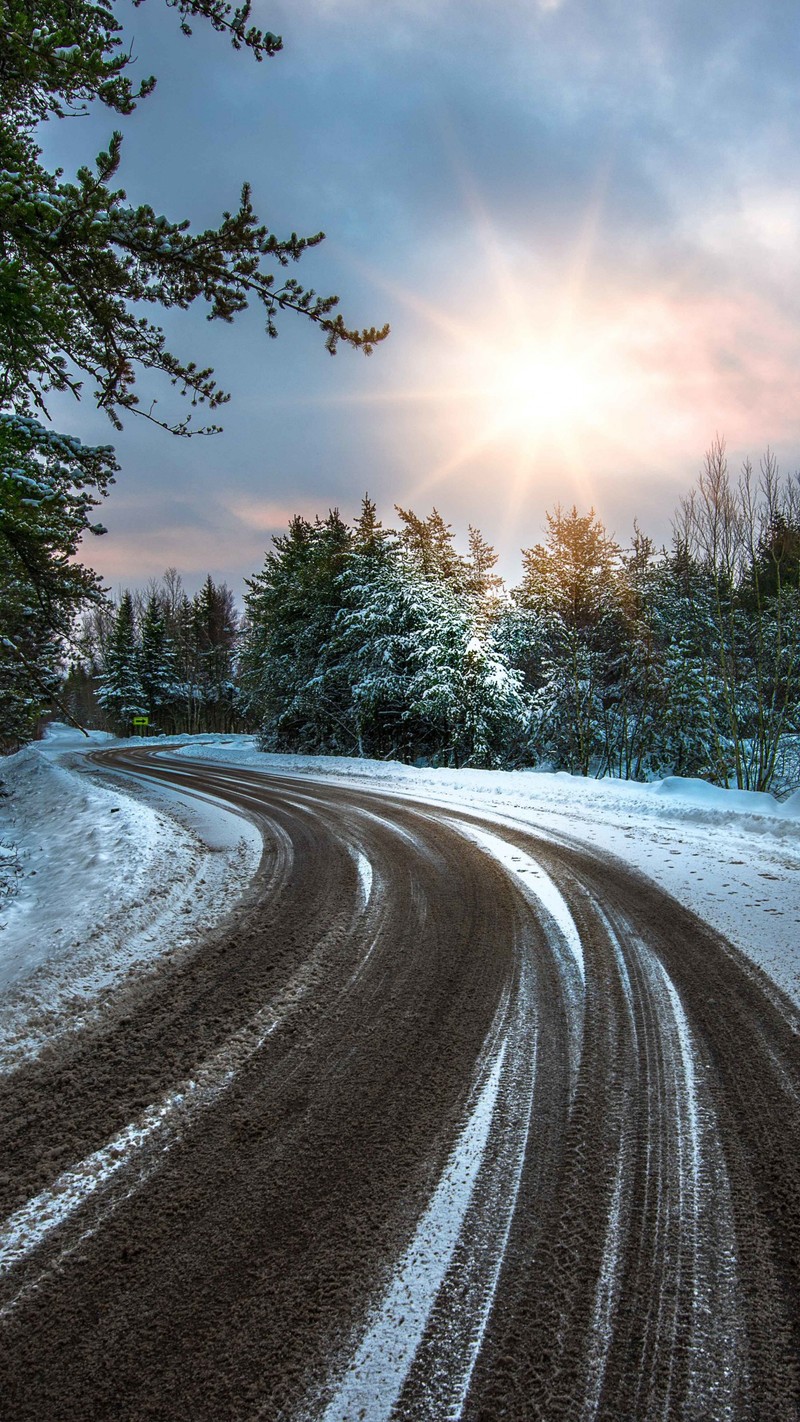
[(703, 1320), (497, 1129), (333, 1132)]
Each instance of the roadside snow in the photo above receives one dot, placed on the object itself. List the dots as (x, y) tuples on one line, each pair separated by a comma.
[(112, 875), (106, 883)]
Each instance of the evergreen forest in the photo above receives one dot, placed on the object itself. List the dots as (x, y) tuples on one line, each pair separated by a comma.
[(388, 641)]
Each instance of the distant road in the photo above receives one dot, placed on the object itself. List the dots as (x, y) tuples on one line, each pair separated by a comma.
[(446, 1120)]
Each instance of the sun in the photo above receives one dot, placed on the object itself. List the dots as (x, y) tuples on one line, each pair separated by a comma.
[(536, 389), (552, 379)]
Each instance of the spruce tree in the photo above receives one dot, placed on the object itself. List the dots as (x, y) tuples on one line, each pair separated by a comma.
[(215, 627), (483, 583), (288, 670), (158, 671), (570, 583), (121, 691), (50, 485)]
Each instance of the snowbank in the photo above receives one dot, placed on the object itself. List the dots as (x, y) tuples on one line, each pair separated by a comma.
[(696, 800), (105, 883)]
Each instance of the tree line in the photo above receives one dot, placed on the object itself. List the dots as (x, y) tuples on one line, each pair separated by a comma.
[(158, 655), (388, 642)]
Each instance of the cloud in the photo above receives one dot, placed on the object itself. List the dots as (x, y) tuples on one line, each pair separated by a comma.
[(627, 171), (270, 515)]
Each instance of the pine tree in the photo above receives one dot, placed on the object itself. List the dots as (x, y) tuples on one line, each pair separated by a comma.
[(121, 691), (158, 671), (571, 585), (78, 264), (288, 676), (431, 548), (49, 487), (215, 627)]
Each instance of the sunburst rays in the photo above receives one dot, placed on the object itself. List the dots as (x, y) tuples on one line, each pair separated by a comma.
[(550, 377)]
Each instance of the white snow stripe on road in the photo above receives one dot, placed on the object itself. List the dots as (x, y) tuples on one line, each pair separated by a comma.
[(364, 873), (27, 1227), (608, 1282), (686, 1052), (606, 1295), (456, 1256), (387, 823), (383, 1360), (491, 1229), (534, 879)]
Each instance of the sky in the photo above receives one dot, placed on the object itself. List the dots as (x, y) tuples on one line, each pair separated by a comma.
[(580, 217)]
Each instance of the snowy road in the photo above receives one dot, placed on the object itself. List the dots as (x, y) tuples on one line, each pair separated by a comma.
[(449, 1120)]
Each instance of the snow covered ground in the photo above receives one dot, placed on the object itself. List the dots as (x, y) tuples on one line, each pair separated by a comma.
[(109, 879), (101, 882)]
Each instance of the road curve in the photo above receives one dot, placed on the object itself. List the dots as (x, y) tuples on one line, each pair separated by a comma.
[(447, 1120)]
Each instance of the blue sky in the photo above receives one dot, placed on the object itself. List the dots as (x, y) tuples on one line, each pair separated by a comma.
[(581, 219)]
